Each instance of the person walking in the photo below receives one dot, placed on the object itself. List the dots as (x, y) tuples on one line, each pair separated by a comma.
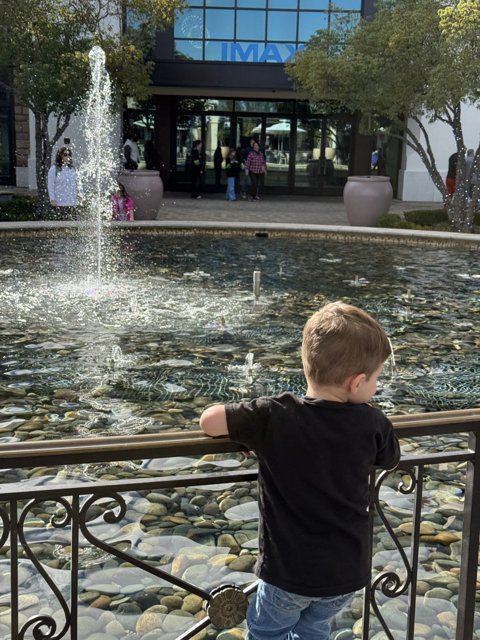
[(256, 168), (315, 455), (62, 183), (198, 168), (233, 170)]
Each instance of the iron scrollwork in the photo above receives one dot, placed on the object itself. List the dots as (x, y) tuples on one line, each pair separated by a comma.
[(37, 623), (390, 583)]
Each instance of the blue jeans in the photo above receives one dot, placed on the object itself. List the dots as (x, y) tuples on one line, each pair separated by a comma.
[(275, 614), (231, 189)]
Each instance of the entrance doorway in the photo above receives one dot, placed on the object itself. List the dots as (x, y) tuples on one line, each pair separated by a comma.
[(308, 154)]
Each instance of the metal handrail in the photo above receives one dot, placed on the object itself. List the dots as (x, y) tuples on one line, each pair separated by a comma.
[(109, 448), (194, 443)]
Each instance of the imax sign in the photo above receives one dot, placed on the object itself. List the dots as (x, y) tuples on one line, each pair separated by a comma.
[(256, 52)]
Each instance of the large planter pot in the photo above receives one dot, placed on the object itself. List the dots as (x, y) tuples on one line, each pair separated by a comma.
[(366, 198), (146, 189)]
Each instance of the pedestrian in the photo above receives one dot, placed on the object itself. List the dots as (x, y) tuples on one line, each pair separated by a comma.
[(150, 155), (63, 183), (217, 166), (451, 180), (315, 454), (198, 168), (131, 152), (256, 168), (233, 170), (244, 179), (122, 205)]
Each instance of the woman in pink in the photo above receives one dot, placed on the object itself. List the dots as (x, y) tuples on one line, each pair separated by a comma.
[(122, 205)]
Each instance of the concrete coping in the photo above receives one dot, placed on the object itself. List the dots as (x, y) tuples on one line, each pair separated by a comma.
[(398, 236)]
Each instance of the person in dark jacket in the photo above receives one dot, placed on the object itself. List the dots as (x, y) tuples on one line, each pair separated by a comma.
[(198, 168), (233, 170)]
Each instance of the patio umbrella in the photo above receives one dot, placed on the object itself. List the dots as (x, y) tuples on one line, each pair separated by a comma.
[(282, 130)]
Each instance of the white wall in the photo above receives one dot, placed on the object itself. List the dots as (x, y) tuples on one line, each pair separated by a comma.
[(415, 185)]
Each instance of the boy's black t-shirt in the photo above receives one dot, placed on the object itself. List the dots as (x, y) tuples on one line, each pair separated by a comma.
[(314, 460)]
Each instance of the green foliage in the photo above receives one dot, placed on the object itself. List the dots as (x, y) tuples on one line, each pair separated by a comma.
[(393, 221), (426, 217), (400, 63), (18, 209), (415, 61), (421, 219)]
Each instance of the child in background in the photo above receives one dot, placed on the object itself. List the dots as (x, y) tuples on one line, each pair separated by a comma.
[(233, 169), (315, 454), (122, 205)]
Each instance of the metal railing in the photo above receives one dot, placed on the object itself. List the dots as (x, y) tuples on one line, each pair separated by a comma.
[(225, 605)]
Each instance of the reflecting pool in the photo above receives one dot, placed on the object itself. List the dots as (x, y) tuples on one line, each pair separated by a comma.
[(176, 325)]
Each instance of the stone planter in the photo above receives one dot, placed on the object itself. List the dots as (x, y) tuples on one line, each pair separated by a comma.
[(146, 189), (366, 198)]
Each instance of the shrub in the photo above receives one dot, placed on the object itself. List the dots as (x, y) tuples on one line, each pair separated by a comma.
[(392, 221), (18, 208), (427, 217)]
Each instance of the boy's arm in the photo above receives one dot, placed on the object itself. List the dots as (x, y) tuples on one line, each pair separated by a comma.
[(213, 421)]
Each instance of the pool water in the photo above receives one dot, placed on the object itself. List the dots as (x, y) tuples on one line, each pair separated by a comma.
[(176, 325)]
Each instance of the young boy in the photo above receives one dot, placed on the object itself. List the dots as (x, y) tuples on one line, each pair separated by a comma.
[(315, 454)]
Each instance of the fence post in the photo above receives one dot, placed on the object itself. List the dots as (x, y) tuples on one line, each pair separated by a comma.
[(469, 557)]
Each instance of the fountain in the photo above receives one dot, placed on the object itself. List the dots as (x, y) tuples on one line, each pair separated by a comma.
[(98, 168)]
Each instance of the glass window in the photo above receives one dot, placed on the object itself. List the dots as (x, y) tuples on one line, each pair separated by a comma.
[(251, 4), (204, 104), (265, 107), (314, 4), (250, 25), (220, 3), (353, 5), (216, 147), (219, 24), (215, 50), (352, 19), (189, 24), (189, 49), (282, 25), (287, 50), (311, 22), (282, 4), (188, 129)]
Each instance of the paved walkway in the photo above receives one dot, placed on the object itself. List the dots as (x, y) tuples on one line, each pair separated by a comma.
[(290, 209), (272, 208)]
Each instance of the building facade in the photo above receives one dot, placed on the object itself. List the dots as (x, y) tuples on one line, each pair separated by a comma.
[(219, 77)]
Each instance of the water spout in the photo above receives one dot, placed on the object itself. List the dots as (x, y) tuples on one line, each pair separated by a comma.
[(256, 284), (97, 170)]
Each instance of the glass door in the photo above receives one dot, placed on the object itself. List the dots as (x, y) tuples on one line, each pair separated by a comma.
[(189, 128), (216, 147), (278, 142), (322, 153)]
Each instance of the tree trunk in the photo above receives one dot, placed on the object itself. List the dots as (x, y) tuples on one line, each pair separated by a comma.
[(43, 156), (461, 210)]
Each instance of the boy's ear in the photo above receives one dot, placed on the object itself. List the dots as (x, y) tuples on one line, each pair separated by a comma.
[(355, 381)]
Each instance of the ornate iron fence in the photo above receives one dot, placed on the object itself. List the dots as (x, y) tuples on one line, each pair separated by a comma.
[(76, 510)]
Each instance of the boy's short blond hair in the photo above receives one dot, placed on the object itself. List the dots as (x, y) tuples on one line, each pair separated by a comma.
[(341, 340)]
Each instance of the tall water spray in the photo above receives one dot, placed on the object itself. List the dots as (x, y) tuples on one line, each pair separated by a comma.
[(98, 168)]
